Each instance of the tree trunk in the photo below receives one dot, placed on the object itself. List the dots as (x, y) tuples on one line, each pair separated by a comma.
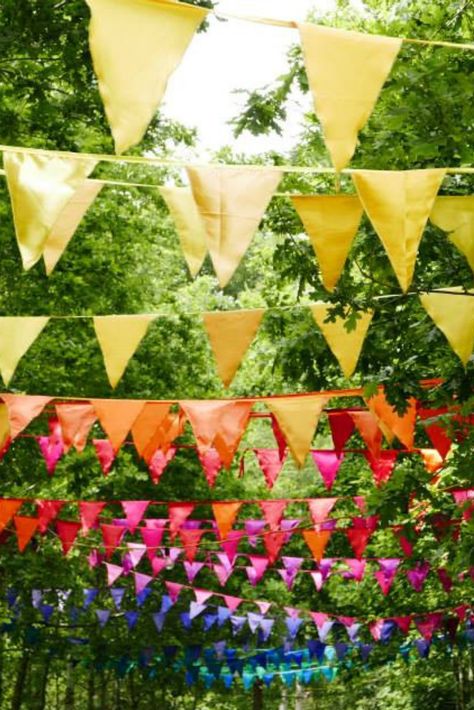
[(257, 695), (20, 681), (69, 695), (40, 695), (91, 691)]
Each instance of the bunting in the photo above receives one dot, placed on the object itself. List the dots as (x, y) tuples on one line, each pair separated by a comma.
[(76, 421), (344, 341), (454, 316), (298, 420), (135, 47), (116, 417), (17, 335), (455, 215), (119, 337), (189, 225), (346, 72)]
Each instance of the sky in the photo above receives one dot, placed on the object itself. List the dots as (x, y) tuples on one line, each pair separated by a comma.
[(235, 54)]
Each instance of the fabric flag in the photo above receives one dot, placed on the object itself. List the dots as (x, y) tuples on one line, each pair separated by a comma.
[(17, 335), (67, 531), (320, 508), (105, 453), (211, 464), (346, 72), (298, 418), (232, 603), (398, 203), (22, 409), (224, 515), (159, 462), (147, 428), (454, 316), (218, 423), (273, 543), (141, 581), (271, 464), (190, 540), (116, 417), (328, 464), (230, 334), (119, 337), (89, 514), (369, 429), (40, 187), (25, 529), (382, 465), (436, 430), (52, 450), (402, 426), (357, 569), (344, 344), (231, 543), (68, 221), (342, 427), (386, 574), (257, 570), (432, 459), (417, 576), (112, 535), (455, 215), (360, 534), (135, 47), (232, 202), (188, 223), (178, 513), (317, 542), (76, 421), (113, 573), (134, 511), (273, 512), (331, 222), (428, 624), (8, 508)]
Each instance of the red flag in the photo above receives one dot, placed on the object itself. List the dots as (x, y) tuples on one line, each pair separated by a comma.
[(105, 453), (382, 465), (273, 512), (47, 511), (271, 463), (76, 421), (342, 427), (273, 543), (403, 623), (8, 508), (25, 529), (428, 624), (359, 535), (67, 531), (190, 539), (112, 535), (224, 515), (279, 437), (89, 514), (436, 431)]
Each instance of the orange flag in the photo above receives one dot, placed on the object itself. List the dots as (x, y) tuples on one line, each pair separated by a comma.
[(368, 428), (147, 423), (76, 421), (116, 417), (230, 334), (22, 409), (232, 202), (189, 225), (298, 418), (317, 542), (225, 514), (8, 508), (432, 459), (403, 426), (218, 424), (25, 529), (331, 222)]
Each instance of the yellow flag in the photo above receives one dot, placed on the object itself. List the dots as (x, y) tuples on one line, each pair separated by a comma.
[(298, 418), (454, 316), (40, 187), (232, 202), (455, 215), (331, 222), (230, 334), (189, 225), (346, 71), (135, 46), (4, 425), (17, 334), (119, 337), (345, 345), (68, 221), (398, 203)]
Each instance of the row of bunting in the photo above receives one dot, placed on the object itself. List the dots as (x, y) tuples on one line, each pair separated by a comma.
[(221, 424), (224, 206), (231, 333), (136, 46)]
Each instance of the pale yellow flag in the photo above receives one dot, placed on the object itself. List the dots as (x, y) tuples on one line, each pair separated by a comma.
[(135, 46), (189, 225), (40, 187), (119, 337), (68, 221), (230, 334), (453, 314), (331, 222), (346, 72), (17, 335), (455, 215), (232, 203), (298, 418), (4, 425), (345, 345), (398, 203)]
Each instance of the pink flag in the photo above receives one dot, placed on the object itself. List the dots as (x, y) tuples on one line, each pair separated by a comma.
[(178, 513), (328, 464), (159, 461), (211, 464), (52, 451), (271, 464), (231, 544), (105, 453), (202, 595), (263, 606), (89, 515), (134, 511), (417, 576), (192, 569), (174, 590), (357, 569), (152, 538), (386, 574), (222, 573), (113, 573), (320, 508), (428, 624), (141, 581), (273, 512), (135, 552), (232, 602)]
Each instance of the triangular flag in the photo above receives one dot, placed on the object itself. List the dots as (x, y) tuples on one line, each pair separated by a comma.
[(119, 338), (232, 202), (189, 225), (344, 344), (22, 409), (105, 453), (211, 464), (76, 421), (273, 543), (112, 535), (436, 431), (455, 215), (113, 573), (382, 465), (342, 426), (47, 510), (146, 426), (271, 464), (141, 581), (232, 603), (134, 511), (453, 314), (331, 222), (8, 508), (116, 417), (402, 426), (369, 429), (17, 335), (174, 590), (230, 335), (135, 47), (346, 72), (178, 513), (273, 512), (89, 514), (398, 203), (432, 459), (40, 187), (67, 531), (25, 529), (190, 540), (298, 418), (224, 515), (328, 464), (68, 221), (320, 508), (317, 541), (159, 462)]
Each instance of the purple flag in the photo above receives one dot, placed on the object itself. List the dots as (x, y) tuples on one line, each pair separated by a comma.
[(237, 623), (192, 569), (195, 609), (417, 576), (117, 594), (102, 616), (252, 529), (89, 596), (223, 615), (293, 624), (131, 618), (159, 620), (266, 626)]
